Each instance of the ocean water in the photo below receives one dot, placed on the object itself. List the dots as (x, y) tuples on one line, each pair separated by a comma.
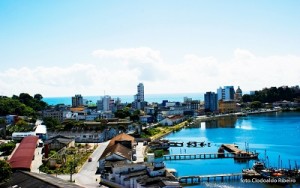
[(129, 98), (276, 136)]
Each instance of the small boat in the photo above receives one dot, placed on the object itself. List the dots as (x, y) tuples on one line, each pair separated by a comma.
[(258, 166), (250, 173), (245, 155), (161, 144)]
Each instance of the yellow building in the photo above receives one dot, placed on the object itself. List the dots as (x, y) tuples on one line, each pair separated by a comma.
[(227, 106)]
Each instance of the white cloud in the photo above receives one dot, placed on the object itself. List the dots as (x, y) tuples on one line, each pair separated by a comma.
[(240, 54), (145, 61), (142, 54), (119, 71)]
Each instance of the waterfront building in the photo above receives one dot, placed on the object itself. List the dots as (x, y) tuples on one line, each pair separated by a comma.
[(77, 100), (226, 93), (191, 104), (227, 106), (172, 120), (175, 110), (238, 94), (211, 101)]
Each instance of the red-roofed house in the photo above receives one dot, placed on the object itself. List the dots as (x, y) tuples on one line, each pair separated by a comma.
[(24, 154)]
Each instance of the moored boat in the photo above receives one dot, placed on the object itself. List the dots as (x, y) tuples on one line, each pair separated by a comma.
[(246, 155)]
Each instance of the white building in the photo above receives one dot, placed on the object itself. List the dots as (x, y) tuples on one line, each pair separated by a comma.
[(226, 94), (140, 93)]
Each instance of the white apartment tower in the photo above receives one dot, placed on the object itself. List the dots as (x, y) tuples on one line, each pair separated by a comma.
[(139, 97), (106, 102)]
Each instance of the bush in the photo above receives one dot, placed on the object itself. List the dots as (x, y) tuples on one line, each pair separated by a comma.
[(7, 148), (158, 153)]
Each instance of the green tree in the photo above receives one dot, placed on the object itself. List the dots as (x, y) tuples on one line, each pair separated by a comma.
[(38, 97), (122, 113), (247, 98), (5, 171), (13, 106), (135, 116), (7, 148), (20, 126), (256, 105), (51, 123)]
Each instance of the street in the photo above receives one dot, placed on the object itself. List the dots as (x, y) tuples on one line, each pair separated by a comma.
[(86, 176)]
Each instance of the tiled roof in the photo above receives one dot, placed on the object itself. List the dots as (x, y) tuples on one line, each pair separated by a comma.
[(117, 149), (30, 179), (61, 139), (121, 137)]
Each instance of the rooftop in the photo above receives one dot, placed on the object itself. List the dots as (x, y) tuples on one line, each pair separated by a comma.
[(30, 179)]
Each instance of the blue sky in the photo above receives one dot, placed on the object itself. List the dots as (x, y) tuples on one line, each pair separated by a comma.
[(63, 47)]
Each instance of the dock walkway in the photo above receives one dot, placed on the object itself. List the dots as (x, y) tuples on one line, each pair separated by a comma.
[(214, 177), (198, 156), (232, 148)]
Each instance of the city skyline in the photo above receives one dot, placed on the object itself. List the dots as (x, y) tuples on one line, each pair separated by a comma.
[(59, 48)]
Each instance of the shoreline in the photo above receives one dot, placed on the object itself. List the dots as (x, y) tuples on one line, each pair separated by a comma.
[(171, 129), (236, 114), (208, 118)]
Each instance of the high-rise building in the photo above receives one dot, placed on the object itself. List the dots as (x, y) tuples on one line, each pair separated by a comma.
[(226, 93), (139, 97), (139, 100), (105, 104), (106, 101), (77, 100), (211, 101)]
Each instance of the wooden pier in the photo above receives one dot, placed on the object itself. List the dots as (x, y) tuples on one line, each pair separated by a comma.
[(232, 148), (239, 153), (198, 156), (207, 178)]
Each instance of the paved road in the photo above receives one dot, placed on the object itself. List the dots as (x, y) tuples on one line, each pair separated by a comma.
[(37, 162), (86, 177)]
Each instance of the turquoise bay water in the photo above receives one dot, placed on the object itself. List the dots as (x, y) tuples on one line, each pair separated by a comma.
[(274, 134), (129, 98)]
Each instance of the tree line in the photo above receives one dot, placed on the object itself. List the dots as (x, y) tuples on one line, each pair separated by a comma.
[(22, 105), (273, 94)]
